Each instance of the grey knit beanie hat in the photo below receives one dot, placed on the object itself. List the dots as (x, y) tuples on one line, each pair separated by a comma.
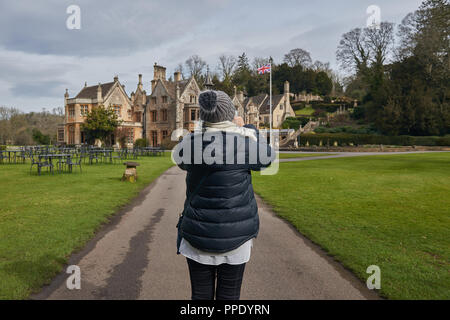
[(216, 106)]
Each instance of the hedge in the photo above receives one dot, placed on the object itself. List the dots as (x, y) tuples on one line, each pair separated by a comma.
[(141, 143), (328, 107), (344, 139), (347, 129), (294, 123)]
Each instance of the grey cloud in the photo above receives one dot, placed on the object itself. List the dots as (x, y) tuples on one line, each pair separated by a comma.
[(31, 89), (40, 57), (107, 28)]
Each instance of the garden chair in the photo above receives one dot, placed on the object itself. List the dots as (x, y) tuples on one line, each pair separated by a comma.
[(2, 156), (34, 161), (119, 157), (41, 162), (22, 156), (74, 162), (92, 156)]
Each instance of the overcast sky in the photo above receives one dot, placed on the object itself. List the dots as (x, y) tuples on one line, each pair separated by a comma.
[(40, 57)]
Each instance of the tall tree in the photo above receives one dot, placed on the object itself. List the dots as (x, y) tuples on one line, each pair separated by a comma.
[(406, 33), (297, 57), (242, 74), (319, 66), (353, 53), (100, 124), (196, 66), (243, 63), (405, 93), (227, 65), (323, 83), (379, 42)]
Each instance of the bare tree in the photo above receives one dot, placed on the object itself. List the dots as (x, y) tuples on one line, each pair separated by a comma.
[(380, 42), (226, 66), (353, 53), (195, 65), (258, 62), (297, 57), (16, 126), (359, 48), (406, 33), (425, 34), (58, 111), (320, 66), (180, 69)]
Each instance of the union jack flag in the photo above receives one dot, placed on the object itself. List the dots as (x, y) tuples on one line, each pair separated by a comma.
[(264, 69)]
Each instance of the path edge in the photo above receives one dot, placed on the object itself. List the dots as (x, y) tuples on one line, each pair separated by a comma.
[(104, 228)]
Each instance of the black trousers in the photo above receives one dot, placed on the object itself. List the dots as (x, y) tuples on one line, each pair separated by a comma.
[(203, 281)]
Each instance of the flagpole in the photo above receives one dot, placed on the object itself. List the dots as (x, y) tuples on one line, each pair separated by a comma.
[(270, 107)]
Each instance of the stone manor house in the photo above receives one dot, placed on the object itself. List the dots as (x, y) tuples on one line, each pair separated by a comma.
[(172, 104)]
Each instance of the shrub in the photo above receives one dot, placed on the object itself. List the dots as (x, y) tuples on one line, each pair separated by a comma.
[(2, 147), (443, 141), (294, 123), (39, 137), (319, 113), (327, 99), (141, 143), (359, 113), (328, 107), (346, 129), (168, 144)]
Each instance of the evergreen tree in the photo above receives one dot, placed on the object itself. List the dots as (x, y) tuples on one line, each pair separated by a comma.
[(100, 124)]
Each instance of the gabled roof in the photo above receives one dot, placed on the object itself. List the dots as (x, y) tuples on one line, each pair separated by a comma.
[(91, 91), (265, 107), (171, 86), (236, 101), (259, 99)]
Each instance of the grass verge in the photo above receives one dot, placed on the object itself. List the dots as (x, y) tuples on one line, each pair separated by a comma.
[(390, 211), (43, 219)]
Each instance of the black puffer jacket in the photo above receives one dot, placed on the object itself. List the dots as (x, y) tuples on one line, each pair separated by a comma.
[(222, 214)]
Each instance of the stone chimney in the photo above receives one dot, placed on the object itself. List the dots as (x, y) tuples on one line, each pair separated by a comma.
[(286, 96), (66, 96), (240, 96), (140, 85), (286, 87), (177, 76), (159, 73), (99, 94)]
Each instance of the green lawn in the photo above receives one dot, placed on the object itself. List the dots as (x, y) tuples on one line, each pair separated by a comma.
[(390, 211), (307, 111), (302, 155), (43, 219)]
